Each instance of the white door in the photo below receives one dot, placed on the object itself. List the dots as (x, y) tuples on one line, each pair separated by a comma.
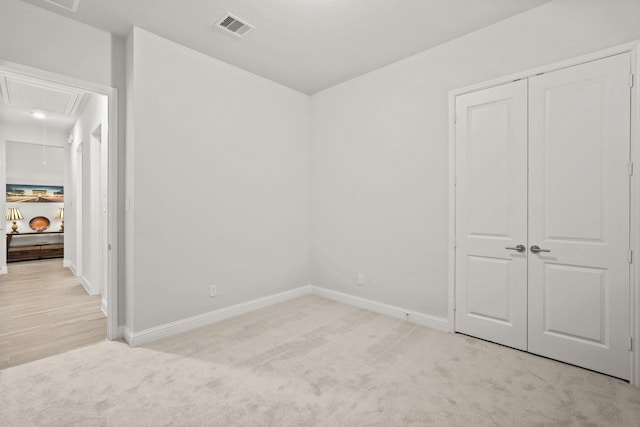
[(579, 214), (491, 214)]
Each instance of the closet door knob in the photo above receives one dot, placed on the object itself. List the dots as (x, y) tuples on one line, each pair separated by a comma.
[(536, 249), (519, 248)]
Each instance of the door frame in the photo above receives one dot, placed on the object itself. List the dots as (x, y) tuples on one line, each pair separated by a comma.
[(110, 254), (96, 219), (634, 239)]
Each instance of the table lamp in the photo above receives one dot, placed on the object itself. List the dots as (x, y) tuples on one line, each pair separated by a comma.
[(13, 214), (60, 215)]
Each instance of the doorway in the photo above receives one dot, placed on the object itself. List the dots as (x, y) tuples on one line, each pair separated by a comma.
[(105, 133)]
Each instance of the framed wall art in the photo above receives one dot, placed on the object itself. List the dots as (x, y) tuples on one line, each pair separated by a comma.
[(24, 193)]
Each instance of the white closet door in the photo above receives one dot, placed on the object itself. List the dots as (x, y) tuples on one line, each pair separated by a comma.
[(579, 213), (491, 214)]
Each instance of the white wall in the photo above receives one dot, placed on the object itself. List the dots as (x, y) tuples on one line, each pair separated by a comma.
[(127, 227), (220, 183), (35, 37), (72, 198), (380, 149), (29, 163), (232, 149), (25, 164), (81, 195), (34, 134)]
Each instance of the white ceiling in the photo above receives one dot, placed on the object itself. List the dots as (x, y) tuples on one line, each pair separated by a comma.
[(308, 45), (20, 97)]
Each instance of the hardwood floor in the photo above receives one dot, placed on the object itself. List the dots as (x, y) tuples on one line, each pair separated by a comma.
[(45, 310)]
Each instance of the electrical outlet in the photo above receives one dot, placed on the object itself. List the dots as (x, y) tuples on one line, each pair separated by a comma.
[(212, 291), (360, 279)]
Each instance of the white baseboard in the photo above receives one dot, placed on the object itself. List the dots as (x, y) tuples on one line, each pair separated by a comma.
[(87, 285), (70, 266), (4, 270), (125, 332), (103, 306), (169, 329), (146, 336), (433, 322)]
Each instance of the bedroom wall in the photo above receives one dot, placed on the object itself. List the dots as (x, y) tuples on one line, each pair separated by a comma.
[(380, 149), (218, 164), (26, 165), (22, 146), (37, 38), (17, 163), (379, 158), (33, 163)]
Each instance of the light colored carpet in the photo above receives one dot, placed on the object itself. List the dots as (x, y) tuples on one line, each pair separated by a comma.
[(311, 362)]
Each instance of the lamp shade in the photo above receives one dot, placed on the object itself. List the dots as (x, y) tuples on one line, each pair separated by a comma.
[(14, 214), (60, 213)]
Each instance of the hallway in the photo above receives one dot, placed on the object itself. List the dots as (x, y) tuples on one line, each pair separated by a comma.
[(44, 310)]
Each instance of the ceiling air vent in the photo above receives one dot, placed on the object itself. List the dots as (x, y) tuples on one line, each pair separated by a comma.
[(70, 5), (234, 25)]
